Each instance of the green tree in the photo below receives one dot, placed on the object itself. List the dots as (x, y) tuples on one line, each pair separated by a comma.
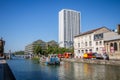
[(19, 53), (62, 50), (37, 50), (72, 50), (52, 49), (56, 49), (49, 49)]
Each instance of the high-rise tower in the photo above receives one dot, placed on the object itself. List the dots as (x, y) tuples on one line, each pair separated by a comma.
[(69, 26)]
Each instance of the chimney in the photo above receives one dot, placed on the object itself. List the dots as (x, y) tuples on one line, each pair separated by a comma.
[(118, 29)]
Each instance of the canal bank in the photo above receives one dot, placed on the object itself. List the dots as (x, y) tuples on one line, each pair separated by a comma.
[(25, 69), (5, 71), (94, 61)]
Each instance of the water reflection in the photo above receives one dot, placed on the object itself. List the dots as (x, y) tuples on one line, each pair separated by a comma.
[(80, 71), (28, 70)]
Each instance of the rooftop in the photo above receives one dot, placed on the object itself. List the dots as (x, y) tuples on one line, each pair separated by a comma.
[(91, 31)]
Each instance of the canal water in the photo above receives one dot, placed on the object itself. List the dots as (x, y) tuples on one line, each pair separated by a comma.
[(30, 70)]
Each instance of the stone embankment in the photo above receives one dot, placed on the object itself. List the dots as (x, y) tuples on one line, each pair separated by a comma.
[(94, 61), (5, 71)]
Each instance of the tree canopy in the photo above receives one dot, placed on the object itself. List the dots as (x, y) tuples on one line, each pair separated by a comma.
[(19, 53), (51, 47), (37, 49)]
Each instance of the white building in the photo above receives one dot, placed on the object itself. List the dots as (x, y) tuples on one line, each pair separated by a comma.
[(69, 26), (91, 41)]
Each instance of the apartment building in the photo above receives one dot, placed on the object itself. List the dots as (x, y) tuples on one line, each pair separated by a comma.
[(29, 49), (69, 26)]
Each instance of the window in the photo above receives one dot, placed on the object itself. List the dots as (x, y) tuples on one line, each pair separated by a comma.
[(90, 37), (78, 44), (96, 49), (96, 43), (90, 50), (86, 50), (90, 43), (85, 43), (101, 36), (111, 44), (82, 51), (100, 42), (115, 46), (98, 36)]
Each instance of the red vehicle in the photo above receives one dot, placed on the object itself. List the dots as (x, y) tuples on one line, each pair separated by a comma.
[(67, 55), (60, 55), (88, 56)]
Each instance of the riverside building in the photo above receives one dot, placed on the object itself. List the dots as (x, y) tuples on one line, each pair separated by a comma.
[(69, 26), (112, 43), (29, 49), (90, 41), (99, 40)]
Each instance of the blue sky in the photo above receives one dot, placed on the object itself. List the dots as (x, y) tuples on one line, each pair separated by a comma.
[(24, 21)]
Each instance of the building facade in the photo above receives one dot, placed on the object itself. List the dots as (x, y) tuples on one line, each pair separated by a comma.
[(112, 44), (90, 41), (29, 49), (69, 26)]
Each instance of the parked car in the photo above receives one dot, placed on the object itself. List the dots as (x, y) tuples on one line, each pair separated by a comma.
[(98, 56), (87, 56), (94, 55), (60, 55), (105, 56), (67, 55)]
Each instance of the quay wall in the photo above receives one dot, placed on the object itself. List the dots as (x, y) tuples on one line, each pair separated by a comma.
[(94, 61), (8, 75), (6, 71)]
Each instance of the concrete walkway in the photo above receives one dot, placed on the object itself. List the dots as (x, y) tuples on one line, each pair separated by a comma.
[(5, 71)]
